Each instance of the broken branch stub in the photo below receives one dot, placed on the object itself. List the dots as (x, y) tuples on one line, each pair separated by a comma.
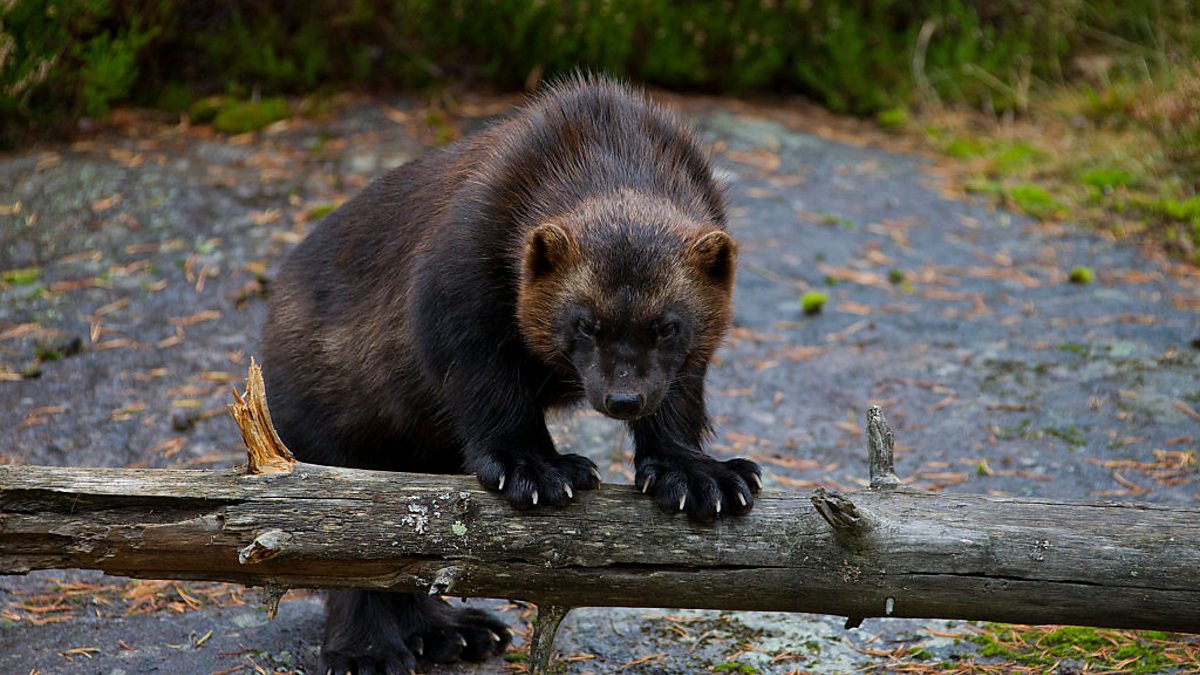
[(880, 447), (841, 513), (265, 451)]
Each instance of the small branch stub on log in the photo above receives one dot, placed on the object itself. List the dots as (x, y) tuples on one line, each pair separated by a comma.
[(266, 453), (841, 513), (880, 445), (848, 523), (271, 595)]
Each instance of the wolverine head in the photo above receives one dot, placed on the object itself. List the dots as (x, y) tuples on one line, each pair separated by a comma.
[(630, 294)]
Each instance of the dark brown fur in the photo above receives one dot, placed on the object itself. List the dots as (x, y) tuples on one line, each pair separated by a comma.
[(576, 250)]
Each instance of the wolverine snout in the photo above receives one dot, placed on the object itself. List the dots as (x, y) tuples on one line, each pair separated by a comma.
[(624, 405)]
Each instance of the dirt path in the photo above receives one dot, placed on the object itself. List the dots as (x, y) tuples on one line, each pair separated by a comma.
[(152, 246)]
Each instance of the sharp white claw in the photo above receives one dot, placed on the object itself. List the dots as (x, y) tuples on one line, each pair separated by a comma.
[(462, 641), (535, 497), (596, 473), (570, 492), (495, 638), (757, 480), (718, 506), (742, 498), (682, 501), (646, 486), (501, 486)]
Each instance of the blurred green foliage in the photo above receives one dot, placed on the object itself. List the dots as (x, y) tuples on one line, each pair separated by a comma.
[(62, 59)]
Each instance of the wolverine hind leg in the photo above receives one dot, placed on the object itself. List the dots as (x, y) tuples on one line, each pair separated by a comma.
[(373, 632)]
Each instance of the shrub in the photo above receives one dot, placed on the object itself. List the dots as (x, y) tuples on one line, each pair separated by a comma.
[(60, 59)]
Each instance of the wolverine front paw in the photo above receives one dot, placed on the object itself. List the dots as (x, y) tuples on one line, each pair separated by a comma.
[(700, 485), (530, 480)]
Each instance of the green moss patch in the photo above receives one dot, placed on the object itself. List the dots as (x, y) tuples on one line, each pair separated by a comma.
[(834, 219), (244, 116), (1093, 649), (892, 118), (1070, 435), (813, 302), (238, 117), (320, 211), (735, 667), (24, 276), (1011, 157), (206, 109), (1081, 275), (964, 148), (1035, 201), (1107, 180)]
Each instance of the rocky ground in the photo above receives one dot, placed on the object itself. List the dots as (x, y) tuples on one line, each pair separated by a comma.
[(136, 262)]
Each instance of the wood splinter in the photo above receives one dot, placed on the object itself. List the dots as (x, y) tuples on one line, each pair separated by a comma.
[(265, 452)]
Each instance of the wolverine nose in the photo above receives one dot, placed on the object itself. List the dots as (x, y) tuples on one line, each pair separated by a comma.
[(624, 406)]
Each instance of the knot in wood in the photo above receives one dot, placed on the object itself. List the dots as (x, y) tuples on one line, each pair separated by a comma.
[(444, 580), (838, 510), (264, 547)]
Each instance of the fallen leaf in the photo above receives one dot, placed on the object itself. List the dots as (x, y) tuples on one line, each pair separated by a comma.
[(106, 203)]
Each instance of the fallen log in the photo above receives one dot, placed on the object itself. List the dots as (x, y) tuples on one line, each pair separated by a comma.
[(901, 554), (881, 552)]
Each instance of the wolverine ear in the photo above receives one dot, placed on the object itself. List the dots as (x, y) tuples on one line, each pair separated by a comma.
[(549, 248), (714, 255)]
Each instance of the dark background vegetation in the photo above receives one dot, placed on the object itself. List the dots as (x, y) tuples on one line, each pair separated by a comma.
[(69, 58), (1123, 67)]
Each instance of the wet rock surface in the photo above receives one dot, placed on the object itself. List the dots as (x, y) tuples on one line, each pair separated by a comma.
[(136, 266)]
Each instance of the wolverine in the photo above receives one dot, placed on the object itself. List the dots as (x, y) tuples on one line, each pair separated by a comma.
[(575, 251)]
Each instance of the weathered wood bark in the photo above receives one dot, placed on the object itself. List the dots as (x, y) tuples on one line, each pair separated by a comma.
[(891, 553)]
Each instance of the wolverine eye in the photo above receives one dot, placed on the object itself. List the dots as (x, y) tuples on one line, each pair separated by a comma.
[(668, 330), (587, 328)]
